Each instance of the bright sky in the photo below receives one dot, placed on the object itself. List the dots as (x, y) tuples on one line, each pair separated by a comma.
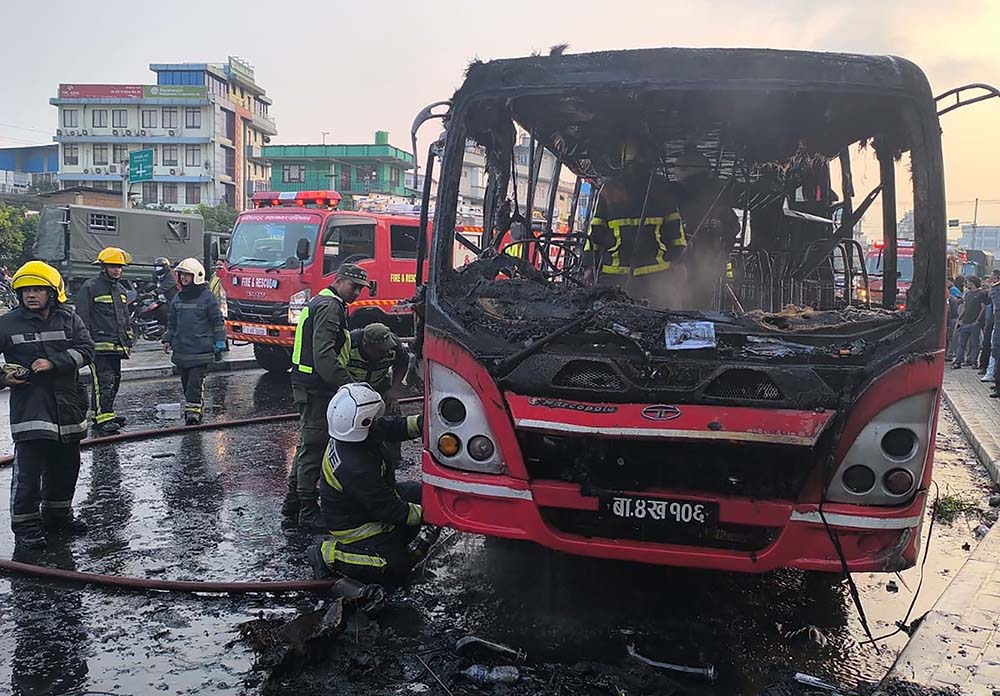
[(355, 67)]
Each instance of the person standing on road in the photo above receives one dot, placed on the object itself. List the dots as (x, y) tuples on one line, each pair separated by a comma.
[(103, 307), (973, 308), (380, 359), (370, 519), (44, 344), (195, 332), (319, 368)]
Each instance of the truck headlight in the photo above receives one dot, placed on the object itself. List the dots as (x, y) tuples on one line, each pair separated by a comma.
[(223, 304), (459, 436), (295, 304)]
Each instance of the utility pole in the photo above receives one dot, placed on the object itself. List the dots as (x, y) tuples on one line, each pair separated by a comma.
[(975, 218), (324, 134), (124, 187)]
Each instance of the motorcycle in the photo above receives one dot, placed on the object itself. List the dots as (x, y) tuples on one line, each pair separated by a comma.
[(149, 313)]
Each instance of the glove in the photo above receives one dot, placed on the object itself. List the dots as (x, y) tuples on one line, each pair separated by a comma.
[(220, 346)]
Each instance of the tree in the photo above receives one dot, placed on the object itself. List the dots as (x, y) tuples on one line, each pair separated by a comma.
[(17, 233), (218, 218), (27, 224)]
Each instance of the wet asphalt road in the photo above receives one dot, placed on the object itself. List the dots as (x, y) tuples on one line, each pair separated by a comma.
[(205, 506)]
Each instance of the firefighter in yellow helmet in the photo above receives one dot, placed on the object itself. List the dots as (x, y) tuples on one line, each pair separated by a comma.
[(195, 332), (617, 251), (44, 344), (101, 304)]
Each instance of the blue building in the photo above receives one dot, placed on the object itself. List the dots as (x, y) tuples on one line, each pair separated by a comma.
[(22, 168)]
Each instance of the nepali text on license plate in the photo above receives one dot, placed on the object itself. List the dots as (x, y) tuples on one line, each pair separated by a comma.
[(688, 512), (255, 330)]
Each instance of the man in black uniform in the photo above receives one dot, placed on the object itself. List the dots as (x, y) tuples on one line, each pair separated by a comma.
[(370, 519), (319, 368), (44, 344), (102, 305), (380, 359), (164, 278)]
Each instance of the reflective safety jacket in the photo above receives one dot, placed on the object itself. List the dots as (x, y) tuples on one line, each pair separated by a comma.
[(615, 241), (53, 405), (194, 325), (358, 487), (322, 345), (376, 372), (101, 304)]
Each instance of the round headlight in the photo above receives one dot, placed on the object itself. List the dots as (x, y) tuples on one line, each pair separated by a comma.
[(481, 448), (899, 443), (452, 410), (449, 445), (898, 481), (859, 479)]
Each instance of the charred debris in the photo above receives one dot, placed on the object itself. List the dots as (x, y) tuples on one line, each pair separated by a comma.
[(795, 267)]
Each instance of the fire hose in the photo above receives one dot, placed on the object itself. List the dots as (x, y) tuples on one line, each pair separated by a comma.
[(191, 586)]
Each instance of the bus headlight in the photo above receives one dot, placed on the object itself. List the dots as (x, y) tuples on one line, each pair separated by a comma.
[(456, 417), (295, 304)]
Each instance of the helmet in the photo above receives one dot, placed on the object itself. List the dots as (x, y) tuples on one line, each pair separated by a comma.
[(39, 274), (352, 411), (161, 261), (194, 267), (113, 256)]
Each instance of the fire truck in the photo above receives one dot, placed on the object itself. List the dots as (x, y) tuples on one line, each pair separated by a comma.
[(599, 412), (904, 271), (288, 247)]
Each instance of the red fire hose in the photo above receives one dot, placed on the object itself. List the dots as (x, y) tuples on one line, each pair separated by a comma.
[(271, 586)]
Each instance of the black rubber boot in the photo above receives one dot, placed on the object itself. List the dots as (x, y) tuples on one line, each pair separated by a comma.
[(319, 567), (192, 419), (68, 525), (120, 420), (30, 538), (310, 518), (107, 428)]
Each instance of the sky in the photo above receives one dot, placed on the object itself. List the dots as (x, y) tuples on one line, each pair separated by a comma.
[(354, 68)]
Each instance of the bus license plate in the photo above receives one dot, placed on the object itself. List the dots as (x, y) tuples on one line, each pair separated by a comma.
[(670, 511), (255, 330)]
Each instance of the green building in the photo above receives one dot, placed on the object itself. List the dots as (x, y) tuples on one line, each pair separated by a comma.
[(348, 169)]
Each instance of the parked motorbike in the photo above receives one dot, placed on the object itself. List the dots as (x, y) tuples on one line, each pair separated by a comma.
[(149, 313)]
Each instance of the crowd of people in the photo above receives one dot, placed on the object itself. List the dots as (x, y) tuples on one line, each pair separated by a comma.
[(973, 338), (342, 483)]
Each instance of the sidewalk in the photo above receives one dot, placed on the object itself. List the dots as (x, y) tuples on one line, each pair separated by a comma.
[(148, 361), (958, 643)]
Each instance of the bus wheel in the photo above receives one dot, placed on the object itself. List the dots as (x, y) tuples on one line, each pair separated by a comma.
[(272, 358)]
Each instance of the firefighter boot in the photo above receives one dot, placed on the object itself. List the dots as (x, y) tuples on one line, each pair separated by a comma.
[(315, 556), (192, 419), (69, 525), (30, 538), (310, 518)]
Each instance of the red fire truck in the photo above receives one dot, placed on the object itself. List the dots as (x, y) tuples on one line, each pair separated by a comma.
[(904, 269), (595, 411), (288, 247)]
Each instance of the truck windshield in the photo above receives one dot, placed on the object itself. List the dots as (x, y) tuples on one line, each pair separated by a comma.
[(904, 266), (261, 241)]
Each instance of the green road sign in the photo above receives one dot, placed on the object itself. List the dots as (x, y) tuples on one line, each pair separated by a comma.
[(140, 166)]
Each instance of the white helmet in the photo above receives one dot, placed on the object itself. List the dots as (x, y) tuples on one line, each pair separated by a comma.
[(194, 267), (352, 411)]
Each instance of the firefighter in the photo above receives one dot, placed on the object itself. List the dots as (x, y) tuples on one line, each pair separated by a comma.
[(164, 278), (319, 368), (195, 332), (380, 359), (616, 253), (370, 520), (44, 344), (103, 307)]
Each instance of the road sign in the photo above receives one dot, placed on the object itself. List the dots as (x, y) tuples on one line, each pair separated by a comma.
[(953, 222), (140, 166)]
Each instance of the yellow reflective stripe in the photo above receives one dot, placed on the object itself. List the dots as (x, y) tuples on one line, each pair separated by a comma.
[(108, 347), (359, 559), (297, 347), (412, 426), (345, 350), (365, 531), (104, 417), (415, 514), (327, 468), (596, 221), (104, 299), (513, 250), (646, 270)]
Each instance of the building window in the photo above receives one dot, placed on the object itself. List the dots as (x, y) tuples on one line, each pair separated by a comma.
[(170, 193), (149, 118), (169, 158), (192, 156), (192, 117), (366, 177), (103, 223), (71, 154), (100, 155), (394, 178), (119, 118), (192, 194), (403, 241), (230, 163), (119, 153), (170, 119), (149, 192), (293, 174), (71, 118), (99, 118), (345, 177)]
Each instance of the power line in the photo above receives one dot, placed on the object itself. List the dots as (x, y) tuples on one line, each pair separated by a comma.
[(24, 128)]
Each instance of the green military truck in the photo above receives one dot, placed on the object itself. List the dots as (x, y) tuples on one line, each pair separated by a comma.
[(70, 236)]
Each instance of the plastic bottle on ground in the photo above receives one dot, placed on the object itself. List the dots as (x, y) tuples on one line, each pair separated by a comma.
[(168, 411), (481, 674)]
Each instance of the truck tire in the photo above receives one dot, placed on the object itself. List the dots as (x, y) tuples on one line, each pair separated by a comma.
[(272, 358)]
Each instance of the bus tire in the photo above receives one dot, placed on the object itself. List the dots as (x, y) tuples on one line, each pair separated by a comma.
[(272, 358)]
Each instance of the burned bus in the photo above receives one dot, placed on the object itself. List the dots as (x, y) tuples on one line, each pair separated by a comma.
[(745, 410)]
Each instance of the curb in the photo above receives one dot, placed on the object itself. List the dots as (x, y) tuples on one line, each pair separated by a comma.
[(977, 446), (160, 371)]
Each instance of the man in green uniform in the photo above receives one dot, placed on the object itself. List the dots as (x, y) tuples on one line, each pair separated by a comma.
[(319, 368), (380, 359)]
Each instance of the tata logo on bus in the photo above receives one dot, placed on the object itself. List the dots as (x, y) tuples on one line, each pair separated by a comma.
[(255, 282), (660, 412)]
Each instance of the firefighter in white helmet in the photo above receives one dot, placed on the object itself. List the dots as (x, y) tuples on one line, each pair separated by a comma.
[(371, 519), (195, 332)]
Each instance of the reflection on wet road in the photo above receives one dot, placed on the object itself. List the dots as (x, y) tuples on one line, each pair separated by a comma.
[(206, 506)]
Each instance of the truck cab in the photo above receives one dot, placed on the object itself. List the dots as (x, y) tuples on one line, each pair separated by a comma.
[(288, 248), (904, 268)]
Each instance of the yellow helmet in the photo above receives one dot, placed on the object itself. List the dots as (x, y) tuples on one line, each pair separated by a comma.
[(113, 256), (38, 274)]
